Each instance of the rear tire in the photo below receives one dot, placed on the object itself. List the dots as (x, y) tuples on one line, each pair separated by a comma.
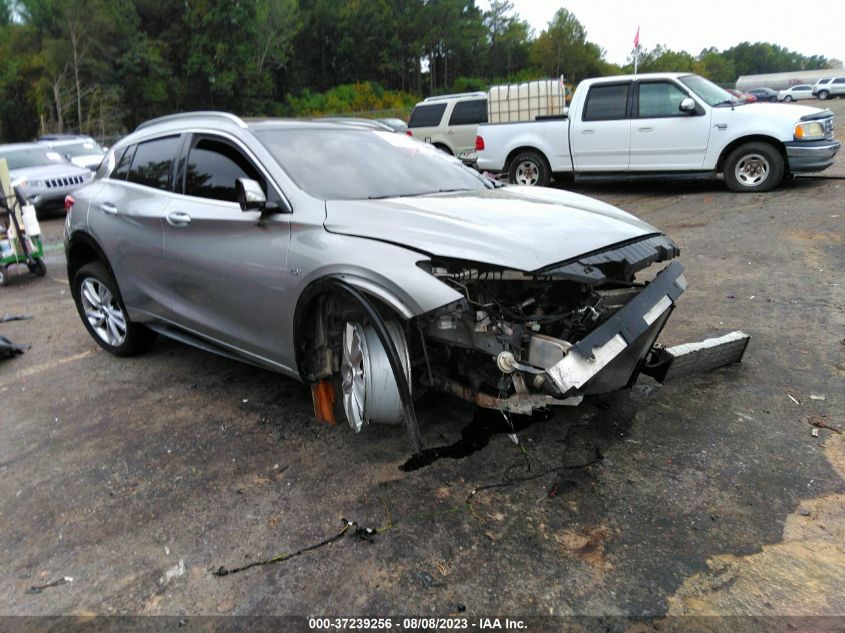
[(530, 168), (102, 312), (753, 168)]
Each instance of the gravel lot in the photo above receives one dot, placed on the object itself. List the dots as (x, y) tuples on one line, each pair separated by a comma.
[(137, 477)]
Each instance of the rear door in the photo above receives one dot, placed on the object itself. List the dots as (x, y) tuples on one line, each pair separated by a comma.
[(662, 137), (226, 274), (601, 136), (837, 87), (127, 215), (463, 124)]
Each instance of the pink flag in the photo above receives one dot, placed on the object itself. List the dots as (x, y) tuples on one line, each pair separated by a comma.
[(637, 38)]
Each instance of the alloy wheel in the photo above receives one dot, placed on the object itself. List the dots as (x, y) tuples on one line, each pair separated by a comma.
[(103, 312)]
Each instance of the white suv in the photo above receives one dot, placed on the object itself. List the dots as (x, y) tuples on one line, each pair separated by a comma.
[(449, 122), (829, 87)]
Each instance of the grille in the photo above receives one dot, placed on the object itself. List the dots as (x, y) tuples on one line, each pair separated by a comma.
[(54, 183)]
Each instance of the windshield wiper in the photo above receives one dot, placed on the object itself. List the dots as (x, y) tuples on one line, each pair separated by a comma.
[(415, 195), (729, 102)]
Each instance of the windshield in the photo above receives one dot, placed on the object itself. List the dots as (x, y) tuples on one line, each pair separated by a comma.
[(339, 164), (83, 148), (30, 157), (707, 91)]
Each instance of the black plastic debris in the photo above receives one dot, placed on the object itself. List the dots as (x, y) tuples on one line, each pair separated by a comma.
[(36, 589), (8, 349)]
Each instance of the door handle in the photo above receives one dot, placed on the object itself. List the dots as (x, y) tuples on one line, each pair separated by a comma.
[(178, 218), (589, 131), (646, 129), (108, 207)]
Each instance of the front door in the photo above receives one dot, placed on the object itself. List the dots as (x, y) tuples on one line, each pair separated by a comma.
[(663, 138), (226, 271)]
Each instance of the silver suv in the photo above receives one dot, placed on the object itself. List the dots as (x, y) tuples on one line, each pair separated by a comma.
[(42, 175), (829, 87), (364, 263)]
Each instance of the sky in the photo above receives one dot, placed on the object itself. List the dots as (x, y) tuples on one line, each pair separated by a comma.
[(815, 29)]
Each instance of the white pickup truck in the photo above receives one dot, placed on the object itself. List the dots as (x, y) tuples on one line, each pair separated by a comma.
[(662, 125)]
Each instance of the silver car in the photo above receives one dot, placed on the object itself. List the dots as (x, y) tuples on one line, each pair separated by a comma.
[(42, 175), (366, 264)]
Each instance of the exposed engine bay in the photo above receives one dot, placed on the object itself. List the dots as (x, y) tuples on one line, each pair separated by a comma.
[(508, 338)]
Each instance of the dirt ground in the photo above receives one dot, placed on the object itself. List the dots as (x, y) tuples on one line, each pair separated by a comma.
[(138, 477)]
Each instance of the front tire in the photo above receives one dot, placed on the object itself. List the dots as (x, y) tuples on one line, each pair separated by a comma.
[(530, 169), (788, 98), (753, 168), (824, 95), (102, 312)]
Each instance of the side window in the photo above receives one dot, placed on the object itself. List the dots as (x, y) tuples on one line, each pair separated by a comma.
[(214, 166), (840, 80), (121, 171), (660, 99), (606, 103), (469, 112), (153, 162), (427, 115)]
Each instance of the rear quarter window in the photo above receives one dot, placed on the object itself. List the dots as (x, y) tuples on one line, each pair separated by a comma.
[(469, 112), (427, 115)]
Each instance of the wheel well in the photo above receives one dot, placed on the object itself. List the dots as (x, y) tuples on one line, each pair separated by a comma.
[(444, 148), (81, 252), (758, 138), (518, 151), (318, 330)]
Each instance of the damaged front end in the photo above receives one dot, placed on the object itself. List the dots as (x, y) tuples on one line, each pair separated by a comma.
[(521, 341)]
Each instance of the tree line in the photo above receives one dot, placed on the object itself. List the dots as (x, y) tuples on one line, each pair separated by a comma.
[(103, 66)]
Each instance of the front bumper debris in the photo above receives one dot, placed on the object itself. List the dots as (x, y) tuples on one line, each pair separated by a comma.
[(634, 327), (671, 363)]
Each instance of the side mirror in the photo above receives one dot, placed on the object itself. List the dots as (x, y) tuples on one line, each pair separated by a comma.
[(250, 195), (687, 105)]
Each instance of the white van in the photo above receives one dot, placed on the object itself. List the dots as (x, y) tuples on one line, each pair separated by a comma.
[(449, 122)]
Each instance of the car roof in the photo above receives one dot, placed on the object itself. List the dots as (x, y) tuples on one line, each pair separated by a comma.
[(225, 121), (68, 141), (15, 146)]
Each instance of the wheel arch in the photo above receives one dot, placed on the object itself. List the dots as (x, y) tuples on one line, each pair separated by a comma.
[(753, 138), (83, 249), (307, 317), (524, 148)]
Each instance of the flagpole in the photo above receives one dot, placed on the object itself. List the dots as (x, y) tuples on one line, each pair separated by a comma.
[(636, 50)]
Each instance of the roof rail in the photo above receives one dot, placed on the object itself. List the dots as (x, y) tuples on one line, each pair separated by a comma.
[(456, 95), (210, 114)]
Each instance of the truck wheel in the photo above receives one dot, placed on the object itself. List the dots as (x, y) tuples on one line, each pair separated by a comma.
[(104, 315), (529, 168), (754, 167), (824, 95)]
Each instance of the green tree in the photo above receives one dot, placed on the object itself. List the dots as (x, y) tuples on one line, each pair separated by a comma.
[(563, 49)]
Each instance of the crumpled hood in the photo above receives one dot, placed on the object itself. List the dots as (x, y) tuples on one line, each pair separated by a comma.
[(522, 228)]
